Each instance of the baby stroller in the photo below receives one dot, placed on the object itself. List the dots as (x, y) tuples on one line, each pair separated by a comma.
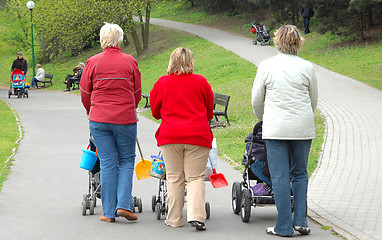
[(90, 199), (159, 203), (262, 35), (18, 86), (244, 194)]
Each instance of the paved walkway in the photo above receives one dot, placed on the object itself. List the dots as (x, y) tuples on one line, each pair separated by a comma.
[(346, 188), (42, 197)]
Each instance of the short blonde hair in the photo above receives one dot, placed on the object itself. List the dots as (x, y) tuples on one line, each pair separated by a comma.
[(111, 35), (181, 61), (38, 65), (288, 39)]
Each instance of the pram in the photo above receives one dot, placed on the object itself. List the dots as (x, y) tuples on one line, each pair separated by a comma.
[(18, 86), (262, 34), (244, 194), (159, 202), (90, 199)]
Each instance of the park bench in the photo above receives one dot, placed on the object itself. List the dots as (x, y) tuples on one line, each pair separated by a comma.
[(76, 83), (48, 79), (147, 97), (221, 106)]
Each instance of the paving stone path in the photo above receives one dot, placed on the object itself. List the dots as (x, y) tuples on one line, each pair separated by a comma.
[(346, 188)]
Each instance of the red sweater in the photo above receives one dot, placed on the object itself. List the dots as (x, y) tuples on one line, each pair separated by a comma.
[(111, 87), (185, 104)]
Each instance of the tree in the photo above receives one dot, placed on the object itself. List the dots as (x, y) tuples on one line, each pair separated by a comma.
[(360, 8)]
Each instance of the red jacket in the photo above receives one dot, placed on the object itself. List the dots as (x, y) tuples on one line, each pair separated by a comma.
[(185, 104), (111, 87)]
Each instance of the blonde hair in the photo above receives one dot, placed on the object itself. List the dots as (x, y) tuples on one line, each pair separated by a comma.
[(288, 39), (38, 65), (111, 35), (181, 61)]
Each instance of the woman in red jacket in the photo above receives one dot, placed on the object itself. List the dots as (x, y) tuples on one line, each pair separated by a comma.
[(110, 92), (184, 101)]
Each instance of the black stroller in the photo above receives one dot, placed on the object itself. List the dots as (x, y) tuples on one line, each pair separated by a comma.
[(244, 194), (90, 199), (262, 34), (159, 202)]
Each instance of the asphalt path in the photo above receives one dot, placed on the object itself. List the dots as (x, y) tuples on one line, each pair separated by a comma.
[(42, 197)]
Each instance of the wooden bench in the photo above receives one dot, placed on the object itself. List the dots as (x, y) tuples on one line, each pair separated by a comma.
[(47, 76), (147, 97), (76, 83), (222, 101)]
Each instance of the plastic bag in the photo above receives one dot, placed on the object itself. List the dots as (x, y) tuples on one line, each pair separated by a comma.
[(213, 157)]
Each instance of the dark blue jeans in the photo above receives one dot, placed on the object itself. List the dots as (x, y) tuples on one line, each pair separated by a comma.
[(283, 174), (306, 24), (116, 150), (34, 82)]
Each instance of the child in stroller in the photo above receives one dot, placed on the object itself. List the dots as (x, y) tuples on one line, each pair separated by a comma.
[(262, 34), (90, 199), (245, 195), (18, 86)]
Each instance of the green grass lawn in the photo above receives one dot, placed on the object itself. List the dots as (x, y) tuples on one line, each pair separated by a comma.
[(9, 133)]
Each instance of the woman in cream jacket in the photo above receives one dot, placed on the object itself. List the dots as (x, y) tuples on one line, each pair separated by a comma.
[(284, 97)]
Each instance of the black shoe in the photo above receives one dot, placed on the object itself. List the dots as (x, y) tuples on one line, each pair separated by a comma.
[(302, 230), (67, 90), (198, 225)]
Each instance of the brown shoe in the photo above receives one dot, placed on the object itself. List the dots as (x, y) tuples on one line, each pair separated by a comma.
[(126, 214), (105, 219)]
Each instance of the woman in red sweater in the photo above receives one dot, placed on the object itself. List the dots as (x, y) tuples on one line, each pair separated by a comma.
[(184, 101)]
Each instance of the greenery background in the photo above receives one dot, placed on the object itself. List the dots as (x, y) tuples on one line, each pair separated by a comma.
[(359, 61)]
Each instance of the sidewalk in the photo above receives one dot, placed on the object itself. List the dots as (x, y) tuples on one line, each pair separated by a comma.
[(346, 188), (42, 196)]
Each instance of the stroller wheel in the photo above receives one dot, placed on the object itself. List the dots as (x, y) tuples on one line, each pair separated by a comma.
[(270, 42), (159, 210), (153, 202), (83, 208), (236, 197), (9, 93), (18, 94), (91, 207), (262, 43), (246, 205), (254, 42), (94, 199), (208, 210), (139, 205)]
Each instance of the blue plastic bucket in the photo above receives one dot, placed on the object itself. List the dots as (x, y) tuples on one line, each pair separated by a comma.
[(88, 160)]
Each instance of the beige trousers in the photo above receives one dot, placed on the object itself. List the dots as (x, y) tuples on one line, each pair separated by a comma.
[(185, 163)]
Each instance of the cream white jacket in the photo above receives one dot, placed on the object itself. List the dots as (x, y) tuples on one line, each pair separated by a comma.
[(40, 75), (284, 97)]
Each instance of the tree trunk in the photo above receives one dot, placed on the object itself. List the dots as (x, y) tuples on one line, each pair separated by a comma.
[(360, 33), (134, 34), (147, 26), (142, 24), (369, 17)]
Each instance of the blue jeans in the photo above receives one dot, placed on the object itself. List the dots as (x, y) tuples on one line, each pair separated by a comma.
[(257, 169), (34, 82), (116, 150), (282, 174)]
